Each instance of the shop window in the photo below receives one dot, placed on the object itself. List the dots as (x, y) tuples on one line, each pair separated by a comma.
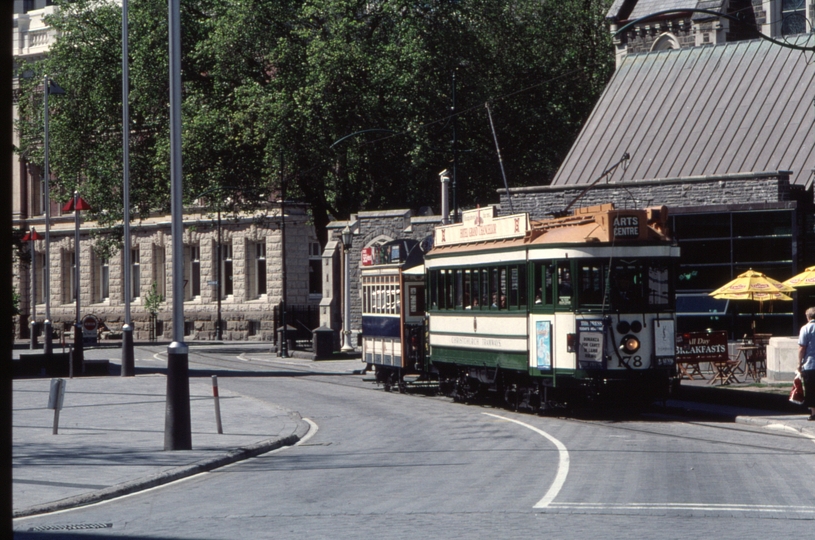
[(192, 272), (160, 270), (135, 274), (226, 270), (68, 277), (39, 277), (101, 279)]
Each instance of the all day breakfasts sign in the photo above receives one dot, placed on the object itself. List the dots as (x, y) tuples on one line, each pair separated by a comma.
[(482, 224), (701, 346)]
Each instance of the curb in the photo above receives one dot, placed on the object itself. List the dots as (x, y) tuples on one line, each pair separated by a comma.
[(735, 397), (177, 473), (765, 421)]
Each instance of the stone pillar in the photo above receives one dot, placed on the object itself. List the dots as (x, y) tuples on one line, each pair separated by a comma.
[(782, 359)]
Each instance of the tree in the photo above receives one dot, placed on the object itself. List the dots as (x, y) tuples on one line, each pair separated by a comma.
[(270, 86)]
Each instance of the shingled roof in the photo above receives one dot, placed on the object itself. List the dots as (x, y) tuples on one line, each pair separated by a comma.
[(738, 107)]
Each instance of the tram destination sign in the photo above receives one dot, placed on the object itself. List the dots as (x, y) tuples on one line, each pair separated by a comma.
[(626, 226), (482, 224)]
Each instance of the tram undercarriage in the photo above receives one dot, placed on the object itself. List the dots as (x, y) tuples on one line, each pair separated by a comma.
[(518, 391)]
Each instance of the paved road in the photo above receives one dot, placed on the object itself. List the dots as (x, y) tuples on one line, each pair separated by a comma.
[(394, 466)]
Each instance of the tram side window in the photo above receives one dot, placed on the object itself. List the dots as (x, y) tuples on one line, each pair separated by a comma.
[(544, 283), (459, 281), (658, 285), (591, 279), (564, 285), (432, 289), (484, 301), (517, 289), (449, 290), (366, 297), (467, 300)]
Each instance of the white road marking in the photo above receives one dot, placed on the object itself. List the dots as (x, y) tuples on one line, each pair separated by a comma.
[(563, 465), (696, 507)]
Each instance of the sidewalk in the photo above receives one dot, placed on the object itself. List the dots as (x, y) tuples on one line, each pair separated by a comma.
[(745, 403), (110, 439)]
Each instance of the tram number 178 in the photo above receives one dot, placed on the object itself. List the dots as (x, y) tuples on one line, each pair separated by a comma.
[(629, 361)]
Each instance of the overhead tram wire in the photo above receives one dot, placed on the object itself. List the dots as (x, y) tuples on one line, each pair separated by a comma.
[(500, 160)]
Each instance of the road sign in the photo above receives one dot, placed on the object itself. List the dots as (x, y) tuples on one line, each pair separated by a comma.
[(212, 283), (90, 324)]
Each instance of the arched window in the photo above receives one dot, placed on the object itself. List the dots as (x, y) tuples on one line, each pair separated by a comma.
[(665, 42), (793, 17)]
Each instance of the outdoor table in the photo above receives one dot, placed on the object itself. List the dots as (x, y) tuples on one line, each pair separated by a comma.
[(753, 361), (723, 371)]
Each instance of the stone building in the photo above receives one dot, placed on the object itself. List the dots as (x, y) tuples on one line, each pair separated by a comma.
[(369, 229), (693, 23), (250, 271), (723, 136), (246, 296)]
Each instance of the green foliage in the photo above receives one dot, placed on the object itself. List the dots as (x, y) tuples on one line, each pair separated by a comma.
[(153, 300), (107, 242), (270, 85)]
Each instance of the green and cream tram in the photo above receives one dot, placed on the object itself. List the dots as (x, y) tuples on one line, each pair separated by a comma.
[(560, 311)]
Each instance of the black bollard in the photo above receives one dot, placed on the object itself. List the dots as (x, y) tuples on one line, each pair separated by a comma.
[(128, 361), (78, 358), (177, 424), (34, 327)]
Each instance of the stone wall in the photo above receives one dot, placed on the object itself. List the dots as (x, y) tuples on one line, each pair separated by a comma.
[(540, 201), (246, 315), (782, 359), (369, 228)]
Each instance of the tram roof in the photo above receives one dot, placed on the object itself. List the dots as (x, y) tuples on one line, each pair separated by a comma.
[(592, 225)]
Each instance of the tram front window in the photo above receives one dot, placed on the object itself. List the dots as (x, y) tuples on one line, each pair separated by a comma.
[(635, 286)]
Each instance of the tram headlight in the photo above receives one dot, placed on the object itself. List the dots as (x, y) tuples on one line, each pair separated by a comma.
[(630, 344), (623, 327)]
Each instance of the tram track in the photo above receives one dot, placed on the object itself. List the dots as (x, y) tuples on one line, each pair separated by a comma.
[(266, 366)]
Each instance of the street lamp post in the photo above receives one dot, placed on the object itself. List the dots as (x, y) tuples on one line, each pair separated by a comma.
[(177, 421), (219, 288), (128, 359), (347, 239), (49, 87), (75, 205), (31, 236), (284, 344)]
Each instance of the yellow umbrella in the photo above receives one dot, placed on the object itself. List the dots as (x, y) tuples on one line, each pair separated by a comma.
[(761, 297), (804, 279), (751, 284)]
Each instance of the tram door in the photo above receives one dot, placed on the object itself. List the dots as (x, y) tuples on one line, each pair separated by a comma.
[(414, 314)]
